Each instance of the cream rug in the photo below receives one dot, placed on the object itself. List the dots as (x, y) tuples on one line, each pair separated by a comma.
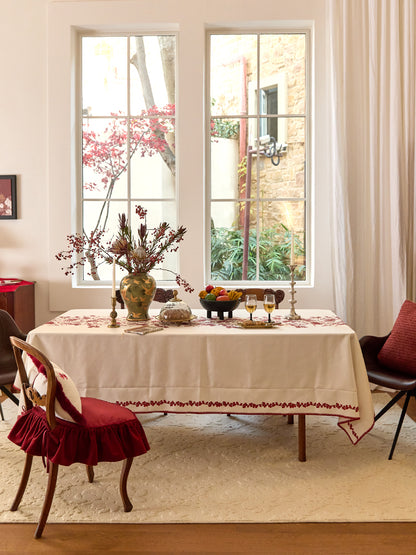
[(213, 468)]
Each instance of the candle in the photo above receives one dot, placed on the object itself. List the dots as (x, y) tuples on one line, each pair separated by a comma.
[(113, 293), (292, 249)]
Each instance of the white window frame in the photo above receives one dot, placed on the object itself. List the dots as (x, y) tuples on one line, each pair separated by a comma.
[(279, 80), (78, 279), (66, 18)]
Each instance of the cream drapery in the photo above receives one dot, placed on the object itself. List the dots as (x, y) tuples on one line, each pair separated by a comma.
[(372, 149)]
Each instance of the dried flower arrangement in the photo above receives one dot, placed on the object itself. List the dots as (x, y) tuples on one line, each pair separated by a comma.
[(136, 256)]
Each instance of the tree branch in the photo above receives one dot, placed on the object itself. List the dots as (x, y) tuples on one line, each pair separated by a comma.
[(139, 61)]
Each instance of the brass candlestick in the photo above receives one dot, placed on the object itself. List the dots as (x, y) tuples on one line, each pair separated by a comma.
[(113, 314), (292, 315)]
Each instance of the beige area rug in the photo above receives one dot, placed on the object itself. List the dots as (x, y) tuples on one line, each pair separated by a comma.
[(213, 468)]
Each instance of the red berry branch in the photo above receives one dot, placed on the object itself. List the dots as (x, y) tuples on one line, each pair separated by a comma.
[(136, 256)]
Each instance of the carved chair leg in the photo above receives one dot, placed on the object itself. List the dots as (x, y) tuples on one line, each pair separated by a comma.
[(123, 484), (23, 482), (53, 475), (90, 474)]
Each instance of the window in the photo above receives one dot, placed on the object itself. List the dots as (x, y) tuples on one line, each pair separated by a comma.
[(258, 179), (268, 105), (128, 138), (194, 189)]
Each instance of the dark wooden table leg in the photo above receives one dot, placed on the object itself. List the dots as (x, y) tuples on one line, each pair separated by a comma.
[(290, 418), (301, 438)]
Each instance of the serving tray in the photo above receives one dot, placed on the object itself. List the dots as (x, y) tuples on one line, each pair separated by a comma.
[(255, 325)]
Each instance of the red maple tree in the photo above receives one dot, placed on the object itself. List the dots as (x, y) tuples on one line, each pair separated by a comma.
[(108, 153)]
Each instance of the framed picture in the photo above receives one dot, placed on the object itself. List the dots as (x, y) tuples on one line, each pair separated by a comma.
[(8, 203)]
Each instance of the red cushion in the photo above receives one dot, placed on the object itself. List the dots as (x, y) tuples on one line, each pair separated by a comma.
[(109, 432), (399, 351)]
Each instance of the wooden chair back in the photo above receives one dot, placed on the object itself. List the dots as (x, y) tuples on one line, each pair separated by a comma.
[(161, 296), (30, 395), (279, 294)]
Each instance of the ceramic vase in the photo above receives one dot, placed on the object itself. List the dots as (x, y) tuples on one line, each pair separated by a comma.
[(137, 291)]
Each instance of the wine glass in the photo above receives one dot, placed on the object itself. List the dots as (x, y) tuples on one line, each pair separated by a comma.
[(251, 304), (269, 305)]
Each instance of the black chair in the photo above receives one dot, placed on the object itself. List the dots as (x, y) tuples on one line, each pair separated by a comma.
[(384, 376), (8, 367)]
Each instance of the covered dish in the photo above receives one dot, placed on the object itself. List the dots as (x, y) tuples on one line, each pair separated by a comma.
[(175, 311)]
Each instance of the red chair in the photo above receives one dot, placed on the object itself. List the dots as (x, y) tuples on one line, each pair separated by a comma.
[(86, 430)]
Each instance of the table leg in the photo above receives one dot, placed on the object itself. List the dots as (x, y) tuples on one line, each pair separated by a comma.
[(290, 418), (301, 438)]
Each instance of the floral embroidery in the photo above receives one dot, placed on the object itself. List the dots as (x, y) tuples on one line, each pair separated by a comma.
[(102, 321), (238, 404)]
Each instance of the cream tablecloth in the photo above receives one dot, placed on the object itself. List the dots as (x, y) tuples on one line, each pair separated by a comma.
[(310, 366)]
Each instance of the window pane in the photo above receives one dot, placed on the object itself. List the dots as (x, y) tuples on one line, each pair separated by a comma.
[(158, 212), (282, 74), (233, 61), (104, 157), (228, 239), (225, 158), (104, 75), (282, 165), (101, 215), (153, 158), (277, 221), (152, 81)]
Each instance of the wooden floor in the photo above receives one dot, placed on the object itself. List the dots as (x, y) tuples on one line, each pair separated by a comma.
[(288, 539), (381, 538)]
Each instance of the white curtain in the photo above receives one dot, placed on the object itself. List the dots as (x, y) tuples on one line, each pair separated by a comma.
[(372, 149)]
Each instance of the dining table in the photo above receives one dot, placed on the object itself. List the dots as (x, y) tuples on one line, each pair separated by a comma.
[(309, 366)]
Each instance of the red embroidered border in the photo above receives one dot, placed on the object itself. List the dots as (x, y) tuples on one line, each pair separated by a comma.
[(353, 432), (231, 404)]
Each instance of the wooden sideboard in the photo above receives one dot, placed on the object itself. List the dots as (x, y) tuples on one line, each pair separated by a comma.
[(19, 301)]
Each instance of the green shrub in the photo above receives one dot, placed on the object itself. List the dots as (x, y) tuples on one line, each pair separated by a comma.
[(274, 254)]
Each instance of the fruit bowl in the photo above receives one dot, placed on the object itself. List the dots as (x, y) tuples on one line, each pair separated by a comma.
[(220, 307)]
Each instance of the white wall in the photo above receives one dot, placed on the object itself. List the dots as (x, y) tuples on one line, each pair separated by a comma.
[(23, 148), (35, 115)]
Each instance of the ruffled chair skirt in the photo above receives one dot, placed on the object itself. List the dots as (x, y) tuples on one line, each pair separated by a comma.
[(109, 433)]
